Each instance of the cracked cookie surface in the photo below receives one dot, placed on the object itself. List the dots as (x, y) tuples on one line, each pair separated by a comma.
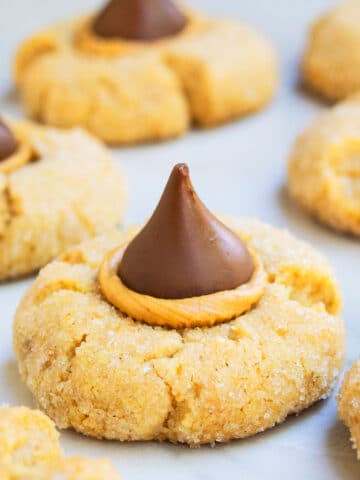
[(324, 168), (215, 71), (349, 404), (30, 450), (70, 191), (106, 375), (331, 63)]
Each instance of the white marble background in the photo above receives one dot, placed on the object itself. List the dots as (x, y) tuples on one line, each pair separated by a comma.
[(237, 169)]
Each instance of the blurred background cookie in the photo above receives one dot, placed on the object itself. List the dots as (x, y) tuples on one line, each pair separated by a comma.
[(56, 189), (324, 168), (142, 70), (28, 440), (331, 62), (30, 450)]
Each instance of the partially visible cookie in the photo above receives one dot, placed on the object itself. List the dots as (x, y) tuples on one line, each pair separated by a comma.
[(324, 168), (331, 62), (125, 87), (56, 189), (29, 450), (28, 439), (349, 403)]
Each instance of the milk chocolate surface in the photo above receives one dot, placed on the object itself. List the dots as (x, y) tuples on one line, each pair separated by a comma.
[(184, 250), (8, 143), (142, 20)]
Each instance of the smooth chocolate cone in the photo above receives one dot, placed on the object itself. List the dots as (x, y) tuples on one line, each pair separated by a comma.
[(8, 143), (184, 251), (142, 20)]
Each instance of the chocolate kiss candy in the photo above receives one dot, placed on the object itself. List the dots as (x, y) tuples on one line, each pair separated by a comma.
[(139, 19), (8, 144), (184, 250)]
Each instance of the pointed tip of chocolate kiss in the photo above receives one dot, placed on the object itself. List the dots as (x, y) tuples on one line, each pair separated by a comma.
[(182, 169), (184, 251), (142, 20), (8, 143)]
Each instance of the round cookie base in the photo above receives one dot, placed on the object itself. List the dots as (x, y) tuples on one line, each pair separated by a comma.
[(76, 352)]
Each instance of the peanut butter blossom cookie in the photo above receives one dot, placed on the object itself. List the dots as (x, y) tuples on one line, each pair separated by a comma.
[(142, 70), (192, 329), (349, 404), (331, 63), (324, 169), (57, 188), (30, 450)]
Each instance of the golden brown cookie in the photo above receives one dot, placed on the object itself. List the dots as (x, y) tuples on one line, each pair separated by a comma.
[(29, 450), (349, 404), (331, 63), (126, 91), (324, 168), (57, 189), (28, 439), (94, 369)]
